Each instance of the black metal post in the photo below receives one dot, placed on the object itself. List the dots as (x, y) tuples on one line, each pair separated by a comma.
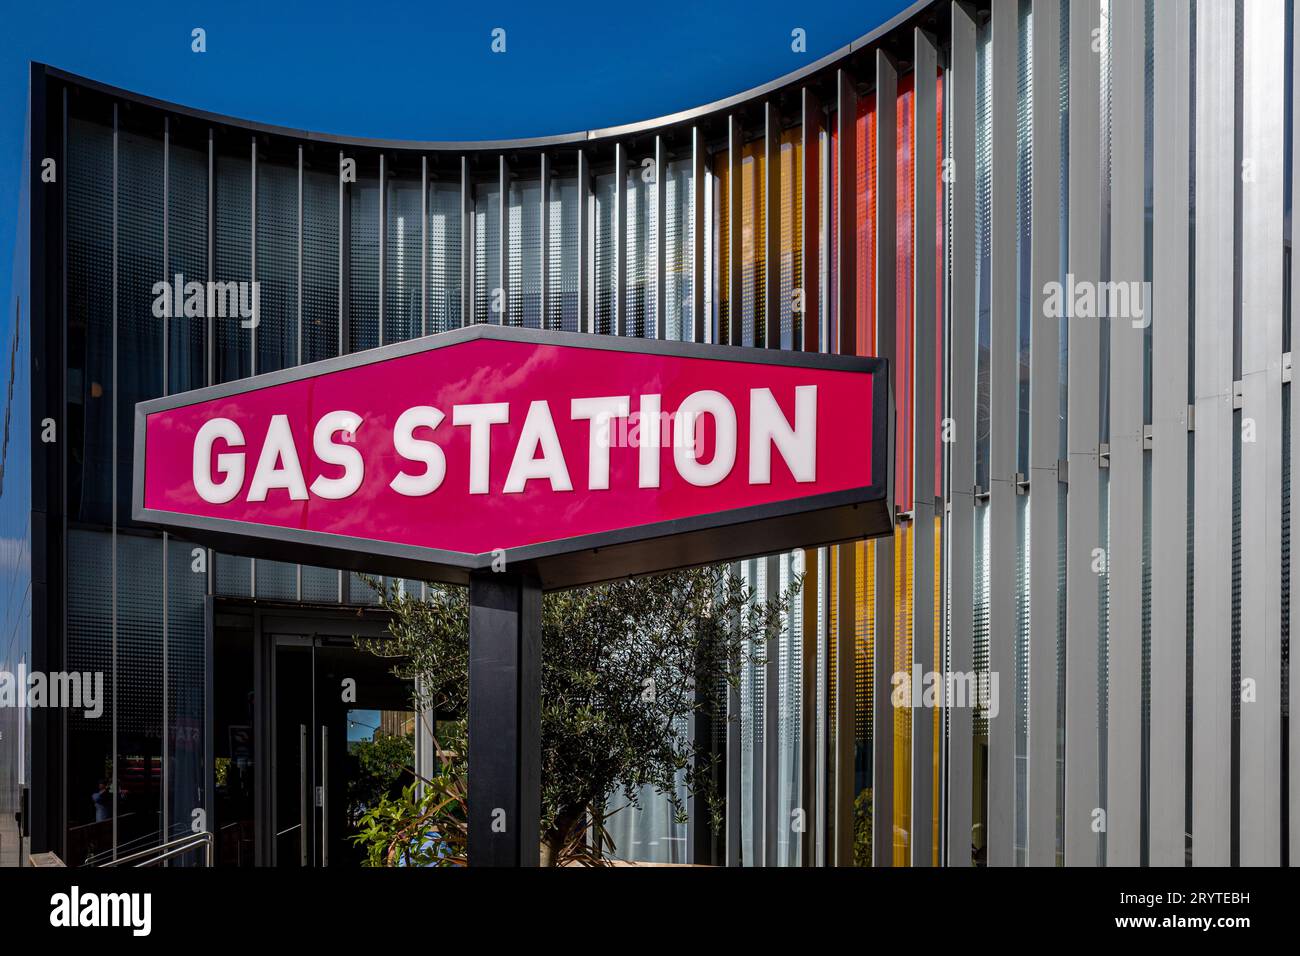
[(505, 749)]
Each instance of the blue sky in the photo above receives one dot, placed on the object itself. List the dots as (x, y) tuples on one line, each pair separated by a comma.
[(415, 70)]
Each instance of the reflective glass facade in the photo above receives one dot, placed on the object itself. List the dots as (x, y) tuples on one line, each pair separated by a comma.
[(1037, 211)]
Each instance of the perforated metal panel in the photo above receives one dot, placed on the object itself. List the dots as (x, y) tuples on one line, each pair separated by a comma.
[(362, 198), (444, 232), (187, 255), (277, 264), (487, 251), (402, 279), (320, 264), (562, 256), (524, 255), (232, 255)]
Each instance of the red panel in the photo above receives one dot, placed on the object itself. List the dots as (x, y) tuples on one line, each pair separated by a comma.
[(866, 219), (938, 285), (904, 375)]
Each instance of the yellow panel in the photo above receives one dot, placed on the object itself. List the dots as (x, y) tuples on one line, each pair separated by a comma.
[(753, 259), (832, 615), (936, 663), (790, 176), (721, 166), (903, 577), (865, 630)]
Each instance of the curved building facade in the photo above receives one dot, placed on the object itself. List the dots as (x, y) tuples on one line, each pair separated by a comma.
[(1067, 225)]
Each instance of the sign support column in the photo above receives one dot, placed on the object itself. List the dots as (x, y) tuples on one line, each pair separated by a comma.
[(505, 676)]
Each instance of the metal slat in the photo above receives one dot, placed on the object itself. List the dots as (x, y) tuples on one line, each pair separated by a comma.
[(845, 199), (771, 226), (812, 125), (825, 847), (660, 242), (209, 330), (701, 221), (298, 276), (297, 584), (586, 321), (771, 818), (544, 237), (925, 310), (1124, 561), (771, 253), (503, 240), (733, 335), (383, 240), (882, 735), (252, 256), (1262, 132), (618, 323), (252, 275), (1082, 784), (466, 246), (115, 773), (733, 791), (846, 117), (964, 349), (424, 245), (1169, 467), (808, 711), (1293, 756), (1216, 179), (1004, 381), (1044, 440)]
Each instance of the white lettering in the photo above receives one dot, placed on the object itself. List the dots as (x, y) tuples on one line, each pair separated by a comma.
[(354, 469)]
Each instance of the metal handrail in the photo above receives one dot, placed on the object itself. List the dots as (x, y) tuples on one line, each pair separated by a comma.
[(165, 851)]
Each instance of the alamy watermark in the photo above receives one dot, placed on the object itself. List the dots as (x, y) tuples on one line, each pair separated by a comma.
[(133, 911), (73, 690), (1084, 299), (975, 689), (177, 299)]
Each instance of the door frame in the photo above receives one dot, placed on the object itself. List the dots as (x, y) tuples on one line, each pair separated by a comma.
[(270, 618)]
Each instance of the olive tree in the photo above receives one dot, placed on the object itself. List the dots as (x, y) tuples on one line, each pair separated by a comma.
[(624, 665)]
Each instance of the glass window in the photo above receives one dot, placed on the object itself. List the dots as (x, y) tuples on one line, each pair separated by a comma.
[(562, 255), (487, 245), (403, 317), (604, 197), (187, 256), (679, 245), (444, 256), (233, 254), (277, 263), (363, 257), (524, 222), (320, 259)]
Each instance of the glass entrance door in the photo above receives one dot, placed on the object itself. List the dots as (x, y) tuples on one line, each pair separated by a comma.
[(343, 735)]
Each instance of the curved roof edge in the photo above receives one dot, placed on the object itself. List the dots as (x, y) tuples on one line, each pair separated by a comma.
[(561, 139)]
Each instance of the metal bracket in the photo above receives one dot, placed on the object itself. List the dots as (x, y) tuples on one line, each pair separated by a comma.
[(1191, 418), (1238, 395), (1022, 483), (1286, 367), (1063, 471), (1103, 455), (980, 494), (1148, 438)]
